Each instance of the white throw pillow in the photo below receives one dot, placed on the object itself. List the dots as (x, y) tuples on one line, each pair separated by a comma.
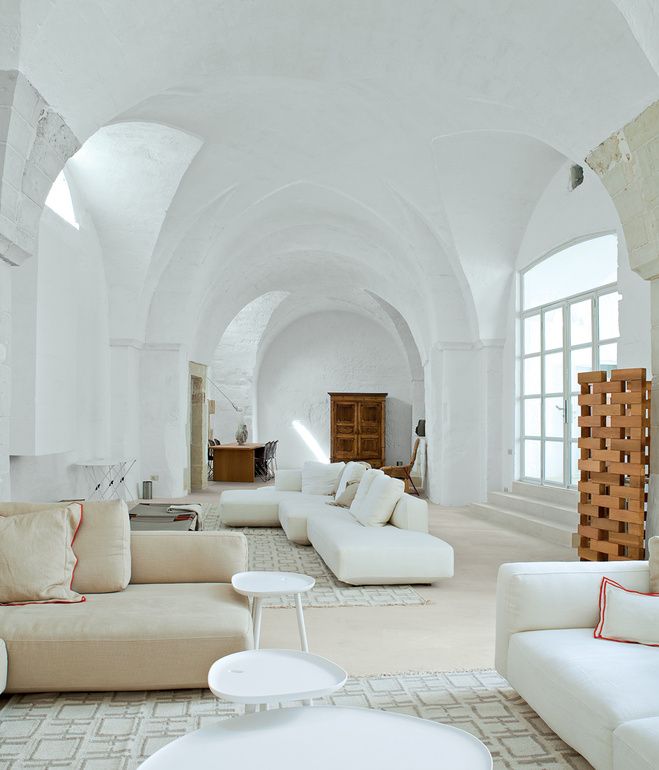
[(627, 616), (377, 506), (352, 472), (321, 478), (364, 485)]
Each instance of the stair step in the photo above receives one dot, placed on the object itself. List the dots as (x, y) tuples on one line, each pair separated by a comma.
[(539, 509), (546, 493), (552, 532)]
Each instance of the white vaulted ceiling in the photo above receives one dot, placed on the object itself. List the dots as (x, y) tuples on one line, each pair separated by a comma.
[(328, 148)]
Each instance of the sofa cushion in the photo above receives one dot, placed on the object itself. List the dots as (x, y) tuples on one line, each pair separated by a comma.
[(102, 544), (321, 478), (251, 507), (294, 513), (376, 507), (584, 687), (352, 472), (377, 555), (627, 616), (36, 556), (148, 637), (636, 745)]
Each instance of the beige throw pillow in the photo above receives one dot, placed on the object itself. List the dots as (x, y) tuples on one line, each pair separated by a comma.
[(653, 548), (344, 500), (102, 544), (37, 561)]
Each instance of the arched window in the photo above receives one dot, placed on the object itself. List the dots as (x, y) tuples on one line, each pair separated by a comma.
[(569, 324), (59, 201)]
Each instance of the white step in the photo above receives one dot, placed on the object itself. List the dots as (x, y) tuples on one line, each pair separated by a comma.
[(552, 532), (536, 508), (556, 495)]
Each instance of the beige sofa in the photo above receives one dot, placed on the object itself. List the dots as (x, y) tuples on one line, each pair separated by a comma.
[(176, 614)]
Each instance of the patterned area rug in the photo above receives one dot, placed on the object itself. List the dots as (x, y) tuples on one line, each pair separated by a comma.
[(118, 731), (270, 549)]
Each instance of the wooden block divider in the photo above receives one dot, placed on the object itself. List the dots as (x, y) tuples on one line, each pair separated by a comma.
[(614, 455)]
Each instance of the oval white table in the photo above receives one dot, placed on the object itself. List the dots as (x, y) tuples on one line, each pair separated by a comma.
[(323, 738), (261, 585), (273, 676)]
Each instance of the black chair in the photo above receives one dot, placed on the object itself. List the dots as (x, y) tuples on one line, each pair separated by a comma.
[(260, 462), (210, 458), (272, 461)]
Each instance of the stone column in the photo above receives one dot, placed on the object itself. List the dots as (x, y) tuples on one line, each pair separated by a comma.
[(5, 377), (35, 143), (628, 164)]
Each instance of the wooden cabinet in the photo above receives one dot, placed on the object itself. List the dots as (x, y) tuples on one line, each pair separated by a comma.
[(357, 427)]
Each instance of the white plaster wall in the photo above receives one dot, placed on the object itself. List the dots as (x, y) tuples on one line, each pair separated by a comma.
[(164, 393), (331, 352), (234, 363), (61, 380)]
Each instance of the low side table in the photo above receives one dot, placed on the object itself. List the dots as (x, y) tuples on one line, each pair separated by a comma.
[(261, 585), (324, 738), (269, 677)]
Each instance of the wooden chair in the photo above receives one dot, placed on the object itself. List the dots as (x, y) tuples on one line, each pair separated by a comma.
[(404, 471)]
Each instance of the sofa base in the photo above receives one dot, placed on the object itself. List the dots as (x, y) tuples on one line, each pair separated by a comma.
[(147, 637)]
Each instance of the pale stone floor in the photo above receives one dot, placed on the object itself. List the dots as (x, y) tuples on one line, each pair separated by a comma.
[(454, 631)]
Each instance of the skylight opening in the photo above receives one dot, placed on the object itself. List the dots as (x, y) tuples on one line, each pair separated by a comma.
[(59, 201)]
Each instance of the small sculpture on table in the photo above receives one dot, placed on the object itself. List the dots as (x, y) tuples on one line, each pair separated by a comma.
[(241, 434)]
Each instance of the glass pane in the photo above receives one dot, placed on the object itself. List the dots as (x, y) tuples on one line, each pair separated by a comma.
[(609, 356), (608, 316), (532, 334), (579, 268), (532, 459), (554, 461), (532, 417), (573, 463), (554, 329), (576, 411), (554, 417), (531, 376), (581, 322), (554, 373), (580, 361)]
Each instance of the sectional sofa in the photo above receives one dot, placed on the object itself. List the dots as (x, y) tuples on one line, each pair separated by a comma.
[(399, 552), (601, 697), (159, 610)]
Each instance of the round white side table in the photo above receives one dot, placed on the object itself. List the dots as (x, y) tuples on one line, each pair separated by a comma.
[(270, 677), (325, 737), (261, 585)]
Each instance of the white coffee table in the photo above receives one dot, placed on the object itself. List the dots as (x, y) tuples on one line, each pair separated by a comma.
[(269, 677), (261, 585), (324, 738)]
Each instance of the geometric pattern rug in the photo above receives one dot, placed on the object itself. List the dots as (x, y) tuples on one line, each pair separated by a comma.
[(118, 731), (268, 548)]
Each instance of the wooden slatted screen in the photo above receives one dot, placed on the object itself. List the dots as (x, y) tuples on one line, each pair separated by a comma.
[(614, 464)]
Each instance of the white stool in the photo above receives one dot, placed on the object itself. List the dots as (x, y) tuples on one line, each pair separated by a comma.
[(266, 678), (261, 585)]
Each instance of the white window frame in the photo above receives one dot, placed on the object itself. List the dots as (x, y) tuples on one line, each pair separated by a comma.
[(567, 440)]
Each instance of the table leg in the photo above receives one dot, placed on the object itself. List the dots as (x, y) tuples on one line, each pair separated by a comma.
[(257, 621), (300, 623)]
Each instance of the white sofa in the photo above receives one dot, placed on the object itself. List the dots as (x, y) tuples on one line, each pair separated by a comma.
[(400, 552), (600, 697)]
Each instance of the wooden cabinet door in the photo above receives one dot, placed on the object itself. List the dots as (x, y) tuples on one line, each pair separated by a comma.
[(370, 431), (345, 416)]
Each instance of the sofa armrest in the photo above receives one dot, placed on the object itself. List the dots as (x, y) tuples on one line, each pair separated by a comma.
[(534, 596), (187, 557), (411, 513), (3, 666), (288, 480)]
